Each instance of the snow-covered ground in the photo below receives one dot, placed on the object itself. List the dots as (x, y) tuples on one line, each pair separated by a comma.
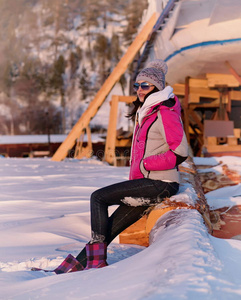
[(44, 216)]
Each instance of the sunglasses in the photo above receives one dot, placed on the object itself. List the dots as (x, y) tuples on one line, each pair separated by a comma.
[(144, 85)]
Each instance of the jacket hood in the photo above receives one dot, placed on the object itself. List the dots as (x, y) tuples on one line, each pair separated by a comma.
[(157, 98)]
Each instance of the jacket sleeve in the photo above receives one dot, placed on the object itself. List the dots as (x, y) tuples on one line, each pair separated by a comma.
[(171, 129)]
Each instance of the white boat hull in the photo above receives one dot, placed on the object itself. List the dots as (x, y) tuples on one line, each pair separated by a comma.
[(199, 37)]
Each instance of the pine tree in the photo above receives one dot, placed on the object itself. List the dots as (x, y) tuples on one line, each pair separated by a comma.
[(102, 50), (84, 83), (74, 60), (134, 13), (116, 54), (90, 17), (57, 82)]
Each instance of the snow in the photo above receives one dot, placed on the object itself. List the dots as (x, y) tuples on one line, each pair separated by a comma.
[(44, 216), (226, 196), (41, 138)]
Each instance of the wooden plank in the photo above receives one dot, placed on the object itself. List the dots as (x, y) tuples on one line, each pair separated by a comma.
[(235, 95), (210, 141), (127, 99), (194, 98), (111, 132), (111, 141), (236, 132), (204, 92), (100, 97), (195, 93), (198, 83), (196, 118), (185, 109), (199, 88), (223, 148), (228, 107), (39, 153), (232, 141), (80, 150), (216, 80), (135, 234), (179, 89), (233, 72), (123, 143), (213, 104)]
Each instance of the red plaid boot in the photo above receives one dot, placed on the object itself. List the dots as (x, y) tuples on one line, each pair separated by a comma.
[(96, 255), (70, 264)]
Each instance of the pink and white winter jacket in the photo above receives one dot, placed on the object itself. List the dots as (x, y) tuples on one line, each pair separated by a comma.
[(159, 142)]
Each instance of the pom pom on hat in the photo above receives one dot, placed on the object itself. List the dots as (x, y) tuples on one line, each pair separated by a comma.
[(158, 64), (154, 73)]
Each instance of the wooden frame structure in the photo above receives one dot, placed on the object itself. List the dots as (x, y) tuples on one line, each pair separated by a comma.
[(214, 93), (111, 141), (100, 97), (81, 150)]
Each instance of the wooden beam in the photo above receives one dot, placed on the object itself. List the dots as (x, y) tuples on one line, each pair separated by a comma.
[(111, 133), (80, 150), (237, 132), (123, 143), (100, 97), (235, 95), (233, 72), (111, 141), (228, 107), (214, 104), (198, 83), (196, 118), (223, 148), (185, 109), (179, 89), (195, 92), (217, 80), (193, 83), (126, 99)]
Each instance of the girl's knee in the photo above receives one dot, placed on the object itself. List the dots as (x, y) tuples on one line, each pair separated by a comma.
[(95, 196)]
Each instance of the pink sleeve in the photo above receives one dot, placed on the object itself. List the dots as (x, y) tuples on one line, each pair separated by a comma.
[(160, 162)]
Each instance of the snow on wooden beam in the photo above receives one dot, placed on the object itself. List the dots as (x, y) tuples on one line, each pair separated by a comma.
[(185, 252), (189, 197), (177, 221)]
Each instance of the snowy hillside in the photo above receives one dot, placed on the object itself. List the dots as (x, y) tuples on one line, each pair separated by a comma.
[(56, 56)]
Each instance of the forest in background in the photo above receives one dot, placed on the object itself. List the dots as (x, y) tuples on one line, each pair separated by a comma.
[(54, 57)]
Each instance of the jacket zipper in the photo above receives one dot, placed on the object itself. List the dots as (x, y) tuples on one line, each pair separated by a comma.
[(145, 118), (138, 131), (148, 172)]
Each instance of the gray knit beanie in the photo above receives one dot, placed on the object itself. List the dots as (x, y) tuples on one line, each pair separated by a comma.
[(154, 73)]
